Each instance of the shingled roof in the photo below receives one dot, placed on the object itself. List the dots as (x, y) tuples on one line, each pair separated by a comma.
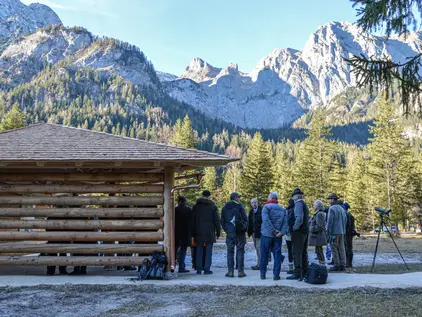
[(52, 142)]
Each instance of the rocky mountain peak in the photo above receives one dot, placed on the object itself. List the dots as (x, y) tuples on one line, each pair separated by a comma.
[(199, 71), (17, 18)]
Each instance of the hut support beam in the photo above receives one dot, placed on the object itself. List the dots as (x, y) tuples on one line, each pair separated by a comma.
[(168, 214)]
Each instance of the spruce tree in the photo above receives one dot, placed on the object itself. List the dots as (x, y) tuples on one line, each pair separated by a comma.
[(313, 161), (392, 165), (283, 176), (257, 179), (13, 119)]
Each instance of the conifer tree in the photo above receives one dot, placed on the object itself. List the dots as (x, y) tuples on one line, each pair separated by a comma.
[(313, 160), (283, 176), (231, 180), (392, 165), (257, 179), (13, 119), (359, 192)]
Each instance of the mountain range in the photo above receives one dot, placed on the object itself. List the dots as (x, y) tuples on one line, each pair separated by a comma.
[(282, 90)]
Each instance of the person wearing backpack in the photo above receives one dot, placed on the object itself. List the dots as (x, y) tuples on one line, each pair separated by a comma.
[(206, 230), (235, 223), (274, 226)]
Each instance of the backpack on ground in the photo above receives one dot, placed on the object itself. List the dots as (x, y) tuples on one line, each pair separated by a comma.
[(155, 268), (317, 274)]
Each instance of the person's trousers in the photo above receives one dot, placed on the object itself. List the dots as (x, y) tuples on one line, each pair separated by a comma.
[(349, 249), (200, 249), (193, 254), (320, 254), (328, 252), (339, 252), (270, 244), (300, 252), (237, 241), (182, 256), (257, 245), (289, 250)]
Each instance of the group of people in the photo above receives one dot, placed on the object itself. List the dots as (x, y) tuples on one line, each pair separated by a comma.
[(200, 226)]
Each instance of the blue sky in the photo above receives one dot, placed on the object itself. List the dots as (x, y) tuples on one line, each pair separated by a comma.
[(172, 32)]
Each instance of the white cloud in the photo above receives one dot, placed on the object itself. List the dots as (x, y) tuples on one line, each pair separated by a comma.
[(88, 6)]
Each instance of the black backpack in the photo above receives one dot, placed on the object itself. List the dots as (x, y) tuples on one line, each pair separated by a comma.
[(240, 223), (153, 269), (317, 274)]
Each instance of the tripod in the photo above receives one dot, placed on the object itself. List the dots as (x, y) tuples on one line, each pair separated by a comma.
[(381, 227)]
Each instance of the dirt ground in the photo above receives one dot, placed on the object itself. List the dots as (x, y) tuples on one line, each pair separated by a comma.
[(143, 300)]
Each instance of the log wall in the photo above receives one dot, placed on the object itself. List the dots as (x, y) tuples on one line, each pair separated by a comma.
[(95, 218)]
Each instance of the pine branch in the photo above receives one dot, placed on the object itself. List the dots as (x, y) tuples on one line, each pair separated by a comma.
[(381, 74), (392, 15)]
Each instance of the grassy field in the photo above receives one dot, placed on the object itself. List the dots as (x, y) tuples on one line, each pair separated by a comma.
[(143, 300), (406, 244)]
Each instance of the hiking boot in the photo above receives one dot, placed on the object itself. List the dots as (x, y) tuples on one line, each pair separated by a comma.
[(255, 268), (241, 274), (119, 268), (230, 273), (334, 269), (208, 272), (263, 277), (342, 268), (183, 271), (290, 271), (300, 279), (276, 278), (198, 272), (293, 277)]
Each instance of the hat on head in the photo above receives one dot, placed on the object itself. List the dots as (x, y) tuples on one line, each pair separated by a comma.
[(346, 206), (206, 193), (234, 196), (332, 196), (297, 191)]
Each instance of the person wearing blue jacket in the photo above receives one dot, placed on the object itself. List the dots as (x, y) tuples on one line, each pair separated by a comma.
[(235, 223), (274, 226)]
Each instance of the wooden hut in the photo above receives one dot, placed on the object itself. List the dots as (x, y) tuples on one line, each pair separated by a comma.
[(78, 187)]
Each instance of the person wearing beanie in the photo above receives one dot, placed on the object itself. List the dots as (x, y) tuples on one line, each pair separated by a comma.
[(205, 230), (235, 223)]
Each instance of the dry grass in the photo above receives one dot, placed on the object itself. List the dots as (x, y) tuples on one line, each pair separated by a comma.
[(143, 300), (406, 244), (389, 268)]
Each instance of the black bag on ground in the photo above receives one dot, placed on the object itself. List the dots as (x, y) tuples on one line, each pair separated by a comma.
[(317, 274), (155, 268)]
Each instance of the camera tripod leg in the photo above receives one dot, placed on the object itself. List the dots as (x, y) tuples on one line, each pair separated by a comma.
[(376, 247), (391, 236)]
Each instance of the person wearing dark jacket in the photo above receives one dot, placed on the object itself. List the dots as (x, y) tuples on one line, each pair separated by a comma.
[(290, 210), (205, 230), (299, 227), (235, 223), (254, 229), (350, 234), (183, 234)]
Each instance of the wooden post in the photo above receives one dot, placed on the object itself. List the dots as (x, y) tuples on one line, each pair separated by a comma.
[(168, 212)]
